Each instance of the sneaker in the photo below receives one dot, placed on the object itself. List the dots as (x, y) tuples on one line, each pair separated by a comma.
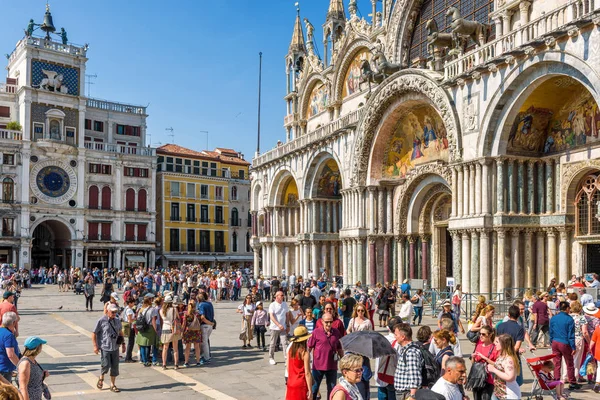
[(201, 362), (249, 346), (156, 364), (272, 361), (574, 386), (186, 365), (596, 388), (244, 347)]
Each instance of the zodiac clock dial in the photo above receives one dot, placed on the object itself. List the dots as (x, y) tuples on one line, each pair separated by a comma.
[(53, 182)]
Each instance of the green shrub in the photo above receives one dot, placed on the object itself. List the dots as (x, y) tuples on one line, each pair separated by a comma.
[(14, 126)]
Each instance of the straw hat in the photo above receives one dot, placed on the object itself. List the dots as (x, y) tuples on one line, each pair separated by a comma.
[(590, 309), (300, 334)]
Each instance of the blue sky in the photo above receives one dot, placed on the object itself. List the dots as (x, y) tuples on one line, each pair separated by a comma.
[(195, 62)]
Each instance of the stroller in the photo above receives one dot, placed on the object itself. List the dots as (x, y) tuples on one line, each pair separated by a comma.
[(79, 287), (539, 389)]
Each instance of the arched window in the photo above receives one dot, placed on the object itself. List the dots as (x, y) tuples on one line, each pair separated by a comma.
[(235, 217), (248, 249), (106, 198), (130, 200), (586, 204), (8, 190), (93, 197), (234, 242), (234, 193), (142, 200)]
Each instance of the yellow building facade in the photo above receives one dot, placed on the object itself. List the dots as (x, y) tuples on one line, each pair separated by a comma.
[(202, 207)]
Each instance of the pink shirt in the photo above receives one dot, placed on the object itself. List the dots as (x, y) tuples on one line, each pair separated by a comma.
[(325, 347)]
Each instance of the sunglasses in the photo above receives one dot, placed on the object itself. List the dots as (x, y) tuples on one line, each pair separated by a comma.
[(360, 310), (328, 322), (358, 370), (483, 334)]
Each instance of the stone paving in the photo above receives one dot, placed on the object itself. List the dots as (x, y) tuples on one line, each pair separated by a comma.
[(233, 373)]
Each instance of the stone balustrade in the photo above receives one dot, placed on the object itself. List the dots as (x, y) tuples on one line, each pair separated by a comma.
[(6, 134), (119, 148), (117, 107)]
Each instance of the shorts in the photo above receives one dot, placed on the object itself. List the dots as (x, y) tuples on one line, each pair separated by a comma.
[(109, 360)]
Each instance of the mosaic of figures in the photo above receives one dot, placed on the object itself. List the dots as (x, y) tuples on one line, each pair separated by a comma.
[(573, 120), (318, 100), (418, 138), (353, 75), (290, 194), (330, 182)]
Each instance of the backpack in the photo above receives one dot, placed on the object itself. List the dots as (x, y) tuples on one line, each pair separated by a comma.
[(431, 370), (141, 324), (387, 367)]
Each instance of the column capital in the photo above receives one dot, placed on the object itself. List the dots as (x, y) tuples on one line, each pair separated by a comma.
[(501, 232), (372, 188), (524, 6), (400, 239), (550, 231), (483, 232), (474, 233), (425, 237), (465, 235), (515, 232), (507, 13), (549, 161), (372, 240), (522, 161), (540, 233), (564, 232), (411, 238), (528, 232)]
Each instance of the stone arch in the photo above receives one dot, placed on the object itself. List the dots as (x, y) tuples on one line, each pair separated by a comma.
[(350, 52), (434, 194), (400, 25), (55, 222), (278, 184), (521, 81), (307, 87), (256, 199), (572, 174), (313, 169), (414, 200), (402, 86)]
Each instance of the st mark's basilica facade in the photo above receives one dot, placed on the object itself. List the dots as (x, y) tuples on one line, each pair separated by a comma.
[(438, 139)]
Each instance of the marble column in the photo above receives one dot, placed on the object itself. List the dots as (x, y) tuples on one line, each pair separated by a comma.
[(315, 217), (400, 242), (322, 217), (530, 187), (355, 265), (256, 252), (381, 210), (501, 279), (411, 257), (333, 259), (552, 267), (314, 262), (459, 192), (454, 192), (372, 262), (361, 260), (466, 262), (557, 180), (389, 227), (467, 190), (517, 271), (549, 186), (297, 259), (472, 187), (485, 187), (541, 188), (484, 261), (510, 174), (424, 258), (305, 259), (302, 217), (475, 267), (329, 206), (521, 186), (478, 194), (540, 276), (386, 260), (563, 259), (528, 258), (345, 261), (324, 260), (499, 186), (373, 215), (287, 259), (335, 206), (456, 257)]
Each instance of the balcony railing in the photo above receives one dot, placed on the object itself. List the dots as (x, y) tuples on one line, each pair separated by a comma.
[(205, 220), (8, 88), (130, 238), (10, 135), (119, 148), (311, 137), (542, 26), (117, 107)]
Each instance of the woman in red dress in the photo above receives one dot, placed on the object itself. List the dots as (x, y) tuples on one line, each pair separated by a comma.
[(299, 381)]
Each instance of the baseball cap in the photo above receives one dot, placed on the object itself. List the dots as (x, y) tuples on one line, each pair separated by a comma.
[(33, 342), (149, 296), (115, 295), (7, 294)]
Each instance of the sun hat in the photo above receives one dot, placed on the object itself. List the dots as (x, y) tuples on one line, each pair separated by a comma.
[(115, 295), (149, 296), (543, 294), (258, 303), (32, 342), (371, 292), (169, 298), (300, 334), (112, 307), (590, 309), (405, 281), (446, 303)]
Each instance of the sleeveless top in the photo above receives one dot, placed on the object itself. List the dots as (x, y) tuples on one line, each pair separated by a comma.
[(36, 378)]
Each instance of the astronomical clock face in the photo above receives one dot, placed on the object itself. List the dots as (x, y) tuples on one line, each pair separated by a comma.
[(53, 182)]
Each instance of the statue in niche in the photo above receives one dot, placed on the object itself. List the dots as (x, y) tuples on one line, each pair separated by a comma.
[(436, 39), (464, 28)]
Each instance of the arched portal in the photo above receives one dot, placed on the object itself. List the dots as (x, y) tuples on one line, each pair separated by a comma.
[(51, 244)]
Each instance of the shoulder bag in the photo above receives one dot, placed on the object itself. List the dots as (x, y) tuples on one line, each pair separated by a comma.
[(195, 324)]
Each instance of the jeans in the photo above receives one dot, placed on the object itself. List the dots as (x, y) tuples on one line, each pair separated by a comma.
[(418, 314), (155, 355), (88, 302), (206, 331), (145, 354), (330, 378), (535, 333), (7, 376), (386, 393), (346, 322)]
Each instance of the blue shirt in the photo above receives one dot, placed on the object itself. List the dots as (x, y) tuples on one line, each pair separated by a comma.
[(206, 308), (7, 340), (148, 282), (405, 288), (562, 329)]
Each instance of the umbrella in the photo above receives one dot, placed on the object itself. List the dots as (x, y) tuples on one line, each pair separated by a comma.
[(370, 344)]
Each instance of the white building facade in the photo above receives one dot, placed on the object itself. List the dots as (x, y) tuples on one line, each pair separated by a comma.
[(67, 162), (435, 143)]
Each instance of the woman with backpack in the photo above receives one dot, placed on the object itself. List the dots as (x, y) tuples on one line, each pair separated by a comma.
[(145, 324), (191, 333), (444, 340)]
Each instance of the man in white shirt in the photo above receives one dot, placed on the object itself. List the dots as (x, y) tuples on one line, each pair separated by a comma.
[(585, 298), (335, 287), (449, 385), (406, 309), (314, 290), (278, 315)]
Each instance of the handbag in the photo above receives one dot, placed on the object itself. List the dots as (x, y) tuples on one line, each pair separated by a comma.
[(120, 338), (473, 336), (194, 325), (45, 390), (478, 374)]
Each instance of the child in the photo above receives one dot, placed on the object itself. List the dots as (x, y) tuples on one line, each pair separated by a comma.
[(546, 376), (259, 325), (309, 320)]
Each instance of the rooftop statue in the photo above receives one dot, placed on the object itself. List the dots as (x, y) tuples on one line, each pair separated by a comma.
[(462, 27), (30, 28), (63, 36), (310, 30), (437, 39), (384, 67)]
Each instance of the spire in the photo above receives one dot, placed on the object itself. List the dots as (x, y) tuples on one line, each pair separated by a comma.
[(297, 45), (336, 10)]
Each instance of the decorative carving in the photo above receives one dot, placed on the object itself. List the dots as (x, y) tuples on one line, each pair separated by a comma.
[(529, 50), (429, 200), (53, 80), (384, 67), (492, 68), (470, 114), (596, 19), (568, 172), (573, 31), (510, 59), (550, 41), (387, 94), (476, 75)]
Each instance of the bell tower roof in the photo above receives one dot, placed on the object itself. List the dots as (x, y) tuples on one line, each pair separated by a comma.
[(297, 44), (336, 10)]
